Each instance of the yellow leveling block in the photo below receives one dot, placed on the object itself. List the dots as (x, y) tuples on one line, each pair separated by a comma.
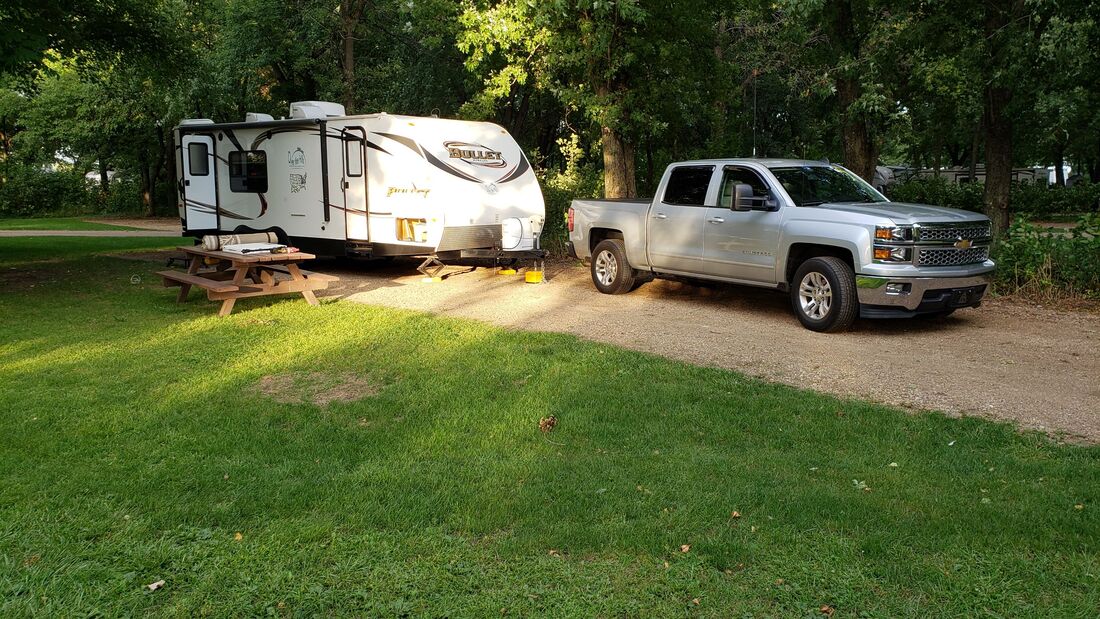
[(506, 272), (432, 280), (533, 277)]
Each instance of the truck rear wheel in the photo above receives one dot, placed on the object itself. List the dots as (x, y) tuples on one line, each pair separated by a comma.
[(823, 294), (610, 271)]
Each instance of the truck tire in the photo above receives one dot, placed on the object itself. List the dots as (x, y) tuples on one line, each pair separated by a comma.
[(611, 273), (823, 294)]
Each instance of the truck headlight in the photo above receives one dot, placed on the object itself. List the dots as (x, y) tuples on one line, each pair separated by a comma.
[(893, 254), (893, 233)]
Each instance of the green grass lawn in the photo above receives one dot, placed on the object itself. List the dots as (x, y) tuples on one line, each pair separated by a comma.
[(57, 223), (139, 438)]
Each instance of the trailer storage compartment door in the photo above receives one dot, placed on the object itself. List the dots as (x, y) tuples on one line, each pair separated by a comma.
[(200, 193)]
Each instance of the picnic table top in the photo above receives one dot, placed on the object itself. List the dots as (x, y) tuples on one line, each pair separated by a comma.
[(247, 258)]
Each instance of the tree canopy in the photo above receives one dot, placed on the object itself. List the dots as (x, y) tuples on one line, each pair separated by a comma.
[(602, 93)]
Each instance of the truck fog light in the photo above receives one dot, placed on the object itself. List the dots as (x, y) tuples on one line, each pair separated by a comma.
[(897, 288)]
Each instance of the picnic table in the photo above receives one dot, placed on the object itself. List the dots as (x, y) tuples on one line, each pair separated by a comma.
[(229, 276)]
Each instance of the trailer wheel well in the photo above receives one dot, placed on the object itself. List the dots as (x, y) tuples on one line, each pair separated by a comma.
[(596, 235), (801, 252)]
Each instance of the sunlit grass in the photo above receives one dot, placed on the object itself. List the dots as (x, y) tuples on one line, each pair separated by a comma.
[(137, 444)]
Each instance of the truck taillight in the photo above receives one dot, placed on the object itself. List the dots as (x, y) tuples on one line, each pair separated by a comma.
[(569, 218)]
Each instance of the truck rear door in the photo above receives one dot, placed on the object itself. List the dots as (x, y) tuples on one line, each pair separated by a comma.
[(674, 228)]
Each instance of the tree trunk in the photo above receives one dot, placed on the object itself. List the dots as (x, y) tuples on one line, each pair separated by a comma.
[(860, 154), (974, 154), (350, 12), (618, 166), (998, 156), (104, 178)]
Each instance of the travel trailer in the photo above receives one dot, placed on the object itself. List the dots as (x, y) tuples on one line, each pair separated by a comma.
[(373, 185)]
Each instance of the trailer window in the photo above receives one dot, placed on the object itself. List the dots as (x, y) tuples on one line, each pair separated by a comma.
[(248, 171), (198, 159), (687, 185)]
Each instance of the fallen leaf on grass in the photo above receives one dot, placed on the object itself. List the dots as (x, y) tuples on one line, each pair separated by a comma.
[(1079, 506), (735, 514), (893, 465), (695, 601), (685, 547), (666, 565), (547, 424), (827, 610), (554, 553), (861, 485), (237, 536), (779, 581), (153, 586)]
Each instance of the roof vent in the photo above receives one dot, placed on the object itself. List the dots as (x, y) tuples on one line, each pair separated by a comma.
[(315, 109), (186, 122), (256, 117)]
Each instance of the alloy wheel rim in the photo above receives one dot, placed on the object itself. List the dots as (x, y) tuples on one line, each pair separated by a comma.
[(606, 267), (815, 295)]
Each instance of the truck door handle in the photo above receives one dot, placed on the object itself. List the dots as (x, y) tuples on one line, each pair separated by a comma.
[(716, 220), (660, 216)]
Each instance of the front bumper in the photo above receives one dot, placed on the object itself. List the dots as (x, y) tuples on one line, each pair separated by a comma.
[(908, 296)]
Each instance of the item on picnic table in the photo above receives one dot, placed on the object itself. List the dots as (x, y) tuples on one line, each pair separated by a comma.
[(214, 242), (253, 248)]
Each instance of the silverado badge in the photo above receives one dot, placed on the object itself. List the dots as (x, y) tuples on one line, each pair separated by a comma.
[(963, 243)]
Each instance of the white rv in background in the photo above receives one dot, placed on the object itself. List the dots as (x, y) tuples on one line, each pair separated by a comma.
[(371, 185)]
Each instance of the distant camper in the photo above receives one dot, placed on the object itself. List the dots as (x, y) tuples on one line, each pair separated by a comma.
[(370, 186)]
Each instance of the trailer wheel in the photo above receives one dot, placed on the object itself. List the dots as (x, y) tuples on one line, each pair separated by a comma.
[(610, 271), (823, 294)]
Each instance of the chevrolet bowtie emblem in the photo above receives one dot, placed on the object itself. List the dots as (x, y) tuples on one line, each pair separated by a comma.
[(963, 244)]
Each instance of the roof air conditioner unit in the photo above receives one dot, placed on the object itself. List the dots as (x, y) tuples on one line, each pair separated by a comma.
[(256, 117), (316, 109)]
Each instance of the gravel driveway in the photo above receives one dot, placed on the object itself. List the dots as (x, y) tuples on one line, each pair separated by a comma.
[(1037, 367)]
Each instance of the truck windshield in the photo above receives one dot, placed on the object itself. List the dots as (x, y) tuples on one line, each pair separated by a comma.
[(813, 185)]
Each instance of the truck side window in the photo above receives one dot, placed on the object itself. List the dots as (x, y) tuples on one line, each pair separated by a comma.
[(687, 185), (248, 171), (741, 176)]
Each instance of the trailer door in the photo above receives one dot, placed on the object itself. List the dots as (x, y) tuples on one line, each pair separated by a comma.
[(200, 189), (355, 184)]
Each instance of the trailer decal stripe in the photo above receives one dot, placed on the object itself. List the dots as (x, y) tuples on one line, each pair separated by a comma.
[(416, 148), (516, 172)]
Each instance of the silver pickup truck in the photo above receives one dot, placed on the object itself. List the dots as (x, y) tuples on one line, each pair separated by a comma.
[(815, 230)]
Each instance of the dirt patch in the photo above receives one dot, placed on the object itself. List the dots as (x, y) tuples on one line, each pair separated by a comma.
[(164, 224), (318, 388)]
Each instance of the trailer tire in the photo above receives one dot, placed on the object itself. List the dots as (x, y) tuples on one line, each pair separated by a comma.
[(823, 294), (611, 273)]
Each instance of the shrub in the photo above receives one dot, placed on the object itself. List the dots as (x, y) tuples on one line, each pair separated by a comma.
[(30, 191), (1047, 263), (560, 188), (1032, 200)]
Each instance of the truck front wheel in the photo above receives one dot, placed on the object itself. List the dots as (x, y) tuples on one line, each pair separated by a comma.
[(610, 271), (823, 294)]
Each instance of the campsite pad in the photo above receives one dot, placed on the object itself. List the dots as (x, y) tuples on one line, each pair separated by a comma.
[(318, 388)]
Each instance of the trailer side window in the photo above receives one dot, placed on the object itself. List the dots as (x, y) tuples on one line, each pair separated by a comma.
[(687, 185), (248, 171), (198, 159)]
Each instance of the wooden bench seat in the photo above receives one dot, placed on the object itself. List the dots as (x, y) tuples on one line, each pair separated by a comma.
[(175, 278), (321, 277)]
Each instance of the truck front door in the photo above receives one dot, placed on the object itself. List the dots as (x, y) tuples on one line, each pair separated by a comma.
[(674, 228), (742, 244)]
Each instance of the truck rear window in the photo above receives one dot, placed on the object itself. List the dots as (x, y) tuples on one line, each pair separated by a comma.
[(687, 185)]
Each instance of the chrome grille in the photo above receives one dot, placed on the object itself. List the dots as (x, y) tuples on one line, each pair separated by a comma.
[(953, 233), (949, 256)]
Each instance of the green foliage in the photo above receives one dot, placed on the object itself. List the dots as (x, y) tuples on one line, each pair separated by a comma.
[(30, 190), (561, 187), (1029, 200), (1045, 263)]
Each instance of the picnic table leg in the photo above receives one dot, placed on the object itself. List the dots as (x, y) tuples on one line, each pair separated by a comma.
[(296, 274), (192, 268), (238, 279)]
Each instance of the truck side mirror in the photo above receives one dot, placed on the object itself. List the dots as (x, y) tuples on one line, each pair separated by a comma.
[(742, 197)]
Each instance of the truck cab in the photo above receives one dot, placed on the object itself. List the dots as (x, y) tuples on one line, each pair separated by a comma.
[(810, 228)]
